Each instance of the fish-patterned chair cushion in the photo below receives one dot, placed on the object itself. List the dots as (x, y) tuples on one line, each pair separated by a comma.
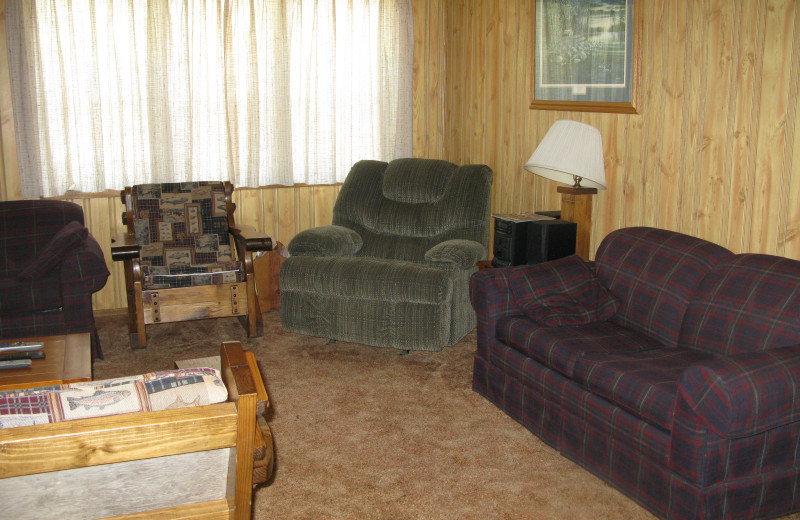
[(144, 393), (182, 231)]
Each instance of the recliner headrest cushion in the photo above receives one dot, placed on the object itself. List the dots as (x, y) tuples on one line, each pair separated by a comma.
[(417, 181)]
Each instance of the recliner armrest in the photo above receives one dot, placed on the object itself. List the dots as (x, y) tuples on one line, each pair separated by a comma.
[(463, 253), (745, 394), (330, 240)]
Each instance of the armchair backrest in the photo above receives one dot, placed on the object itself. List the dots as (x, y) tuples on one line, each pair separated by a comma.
[(26, 227), (181, 224), (403, 208)]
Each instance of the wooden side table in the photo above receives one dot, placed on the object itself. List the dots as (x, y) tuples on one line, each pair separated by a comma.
[(68, 359)]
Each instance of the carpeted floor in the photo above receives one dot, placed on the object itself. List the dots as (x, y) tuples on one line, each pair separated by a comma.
[(365, 433)]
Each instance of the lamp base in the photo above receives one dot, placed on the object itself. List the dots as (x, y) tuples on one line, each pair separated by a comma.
[(576, 206)]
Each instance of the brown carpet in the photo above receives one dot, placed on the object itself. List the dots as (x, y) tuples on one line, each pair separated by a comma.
[(364, 433)]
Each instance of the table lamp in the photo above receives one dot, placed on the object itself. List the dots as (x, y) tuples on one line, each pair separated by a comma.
[(572, 153)]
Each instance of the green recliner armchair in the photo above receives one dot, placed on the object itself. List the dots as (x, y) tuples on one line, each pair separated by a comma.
[(393, 268)]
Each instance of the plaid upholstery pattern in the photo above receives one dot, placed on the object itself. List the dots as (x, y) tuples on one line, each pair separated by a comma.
[(491, 297), (747, 393), (694, 410), (750, 302), (21, 297), (59, 301), (562, 292), (26, 226), (706, 459), (654, 272), (67, 238), (182, 229), (643, 383), (560, 347)]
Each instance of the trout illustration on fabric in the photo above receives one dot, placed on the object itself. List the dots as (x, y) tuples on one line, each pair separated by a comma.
[(100, 399), (180, 403)]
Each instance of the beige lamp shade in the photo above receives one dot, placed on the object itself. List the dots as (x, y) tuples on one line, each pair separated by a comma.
[(571, 153)]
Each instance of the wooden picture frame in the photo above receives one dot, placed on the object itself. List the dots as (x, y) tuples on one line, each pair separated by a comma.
[(587, 55)]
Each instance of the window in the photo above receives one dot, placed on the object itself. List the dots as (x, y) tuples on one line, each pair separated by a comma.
[(259, 92)]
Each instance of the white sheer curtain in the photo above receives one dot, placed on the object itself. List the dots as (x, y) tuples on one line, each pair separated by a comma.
[(109, 93)]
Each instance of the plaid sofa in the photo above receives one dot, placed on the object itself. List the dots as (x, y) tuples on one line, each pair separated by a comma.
[(49, 267), (669, 367)]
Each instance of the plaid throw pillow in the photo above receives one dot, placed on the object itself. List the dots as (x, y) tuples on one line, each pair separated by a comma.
[(62, 242), (561, 293)]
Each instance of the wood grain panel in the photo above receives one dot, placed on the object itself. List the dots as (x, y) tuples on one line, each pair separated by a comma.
[(711, 152), (135, 436)]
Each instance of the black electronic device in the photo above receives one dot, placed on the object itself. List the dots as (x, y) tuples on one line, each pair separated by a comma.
[(510, 242), (550, 240), (518, 242)]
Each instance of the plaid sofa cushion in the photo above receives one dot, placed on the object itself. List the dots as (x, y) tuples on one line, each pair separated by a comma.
[(562, 292), (22, 297), (51, 255), (750, 302), (559, 347), (182, 231), (654, 273), (644, 383), (149, 392)]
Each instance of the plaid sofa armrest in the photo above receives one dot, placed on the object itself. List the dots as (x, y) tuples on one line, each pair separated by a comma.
[(744, 394), (84, 269), (492, 298)]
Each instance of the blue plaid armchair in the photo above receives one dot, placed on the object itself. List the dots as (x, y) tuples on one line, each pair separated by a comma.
[(50, 265)]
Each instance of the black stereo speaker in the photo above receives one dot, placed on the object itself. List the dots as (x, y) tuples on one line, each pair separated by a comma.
[(510, 242), (532, 242), (550, 240)]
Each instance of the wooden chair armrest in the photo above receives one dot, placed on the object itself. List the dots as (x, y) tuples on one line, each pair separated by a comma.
[(253, 240), (124, 247)]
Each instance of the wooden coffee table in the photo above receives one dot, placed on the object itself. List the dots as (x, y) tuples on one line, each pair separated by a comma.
[(68, 359)]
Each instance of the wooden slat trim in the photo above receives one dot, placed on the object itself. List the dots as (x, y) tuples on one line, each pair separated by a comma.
[(118, 438)]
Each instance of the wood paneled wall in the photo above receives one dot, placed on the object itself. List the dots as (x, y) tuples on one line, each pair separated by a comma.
[(711, 152), (714, 151)]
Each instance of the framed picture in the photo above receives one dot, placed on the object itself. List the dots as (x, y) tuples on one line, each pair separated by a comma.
[(586, 55)]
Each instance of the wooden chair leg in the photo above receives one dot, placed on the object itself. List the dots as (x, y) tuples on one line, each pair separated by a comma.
[(138, 335), (131, 296), (254, 323)]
